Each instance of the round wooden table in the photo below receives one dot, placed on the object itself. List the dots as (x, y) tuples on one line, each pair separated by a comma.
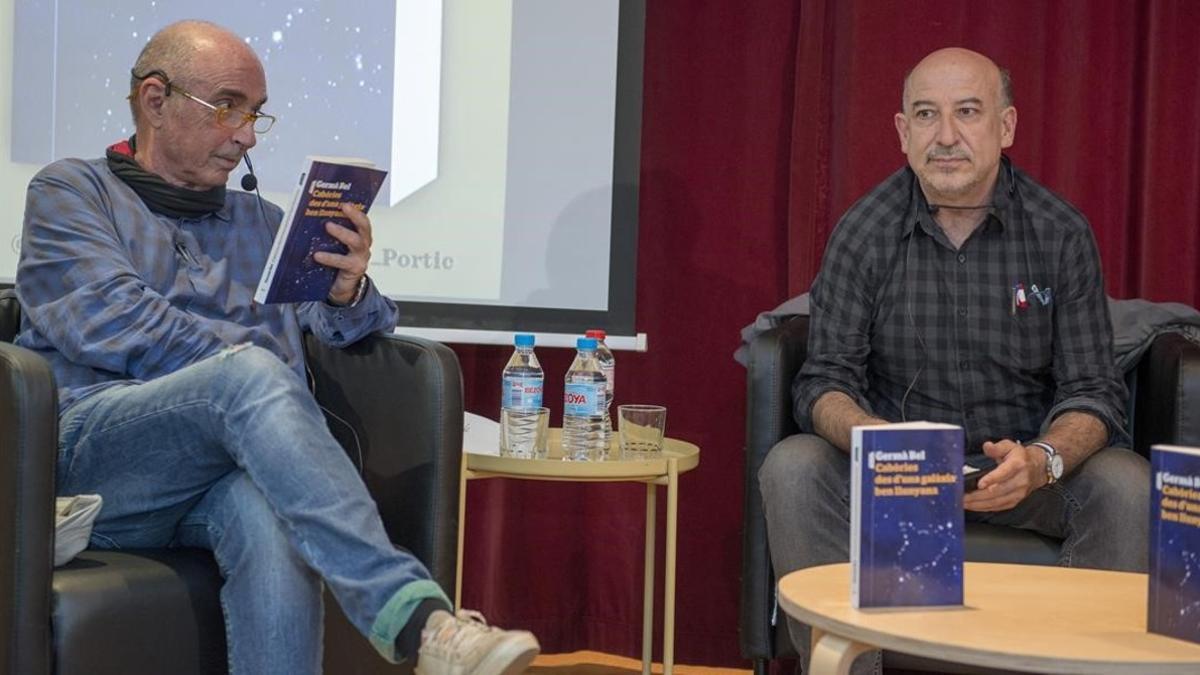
[(1019, 617), (677, 457)]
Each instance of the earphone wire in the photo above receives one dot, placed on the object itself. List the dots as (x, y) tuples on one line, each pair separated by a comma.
[(1014, 212), (908, 307), (312, 388)]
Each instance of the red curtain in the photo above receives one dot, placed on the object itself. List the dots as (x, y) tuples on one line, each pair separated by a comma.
[(762, 123), (1108, 96), (566, 560)]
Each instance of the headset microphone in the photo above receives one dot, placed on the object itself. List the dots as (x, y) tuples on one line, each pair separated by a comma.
[(250, 184), (249, 181)]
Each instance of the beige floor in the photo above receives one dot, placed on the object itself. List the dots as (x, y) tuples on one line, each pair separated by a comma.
[(596, 663)]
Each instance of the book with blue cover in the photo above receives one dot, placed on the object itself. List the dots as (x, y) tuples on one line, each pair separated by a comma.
[(1174, 594), (906, 515), (291, 274)]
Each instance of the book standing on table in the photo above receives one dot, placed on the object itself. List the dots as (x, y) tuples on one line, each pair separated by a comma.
[(906, 515), (1173, 606)]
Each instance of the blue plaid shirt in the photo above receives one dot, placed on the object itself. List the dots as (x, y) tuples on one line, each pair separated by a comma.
[(113, 293)]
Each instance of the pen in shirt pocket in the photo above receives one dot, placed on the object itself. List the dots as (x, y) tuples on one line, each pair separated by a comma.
[(185, 254), (1019, 301), (1043, 295)]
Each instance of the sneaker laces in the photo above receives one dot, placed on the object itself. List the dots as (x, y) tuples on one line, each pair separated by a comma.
[(459, 632)]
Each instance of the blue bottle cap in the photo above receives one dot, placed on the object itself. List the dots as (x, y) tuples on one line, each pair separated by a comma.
[(586, 344), (523, 340)]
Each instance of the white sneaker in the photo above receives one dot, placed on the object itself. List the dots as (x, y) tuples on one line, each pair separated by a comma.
[(464, 644)]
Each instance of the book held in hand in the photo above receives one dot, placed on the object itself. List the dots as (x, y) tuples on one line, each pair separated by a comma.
[(1173, 602), (291, 274), (906, 515)]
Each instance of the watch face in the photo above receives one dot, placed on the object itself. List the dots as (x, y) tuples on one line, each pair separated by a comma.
[(1056, 467)]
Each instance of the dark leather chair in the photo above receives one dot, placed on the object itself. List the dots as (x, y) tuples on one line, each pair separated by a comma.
[(157, 611), (1165, 403)]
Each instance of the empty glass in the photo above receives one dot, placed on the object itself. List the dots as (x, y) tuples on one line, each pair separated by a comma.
[(641, 430), (523, 432)]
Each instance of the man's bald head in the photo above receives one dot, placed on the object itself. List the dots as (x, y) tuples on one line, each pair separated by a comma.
[(956, 122), (962, 56), (196, 89), (174, 51)]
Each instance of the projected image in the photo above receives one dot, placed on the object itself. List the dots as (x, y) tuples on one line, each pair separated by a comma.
[(330, 76), (494, 118)]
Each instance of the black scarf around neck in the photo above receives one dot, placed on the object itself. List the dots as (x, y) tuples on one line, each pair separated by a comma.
[(159, 195)]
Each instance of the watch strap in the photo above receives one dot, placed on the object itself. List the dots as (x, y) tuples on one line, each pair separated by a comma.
[(359, 292)]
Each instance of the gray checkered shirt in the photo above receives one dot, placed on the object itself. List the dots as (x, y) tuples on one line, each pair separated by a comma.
[(895, 305)]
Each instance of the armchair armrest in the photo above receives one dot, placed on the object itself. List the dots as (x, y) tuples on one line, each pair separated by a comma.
[(1167, 397), (395, 403), (28, 446), (775, 356)]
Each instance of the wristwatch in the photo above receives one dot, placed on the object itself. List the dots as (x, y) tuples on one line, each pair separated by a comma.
[(1054, 463)]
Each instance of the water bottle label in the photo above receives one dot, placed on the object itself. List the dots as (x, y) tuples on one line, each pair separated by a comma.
[(521, 392), (584, 399), (610, 375)]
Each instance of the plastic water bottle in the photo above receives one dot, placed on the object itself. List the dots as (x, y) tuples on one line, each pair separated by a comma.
[(522, 381), (608, 366), (583, 405)]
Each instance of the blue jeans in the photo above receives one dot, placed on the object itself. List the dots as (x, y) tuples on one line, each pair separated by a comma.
[(232, 454), (805, 485)]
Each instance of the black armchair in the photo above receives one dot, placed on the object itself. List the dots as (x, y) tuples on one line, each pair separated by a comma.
[(1165, 390), (397, 400)]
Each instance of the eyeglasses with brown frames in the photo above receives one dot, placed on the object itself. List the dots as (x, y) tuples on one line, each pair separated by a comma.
[(225, 115)]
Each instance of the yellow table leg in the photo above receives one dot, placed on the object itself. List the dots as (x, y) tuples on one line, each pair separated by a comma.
[(833, 655), (648, 583), (669, 573), (462, 529)]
